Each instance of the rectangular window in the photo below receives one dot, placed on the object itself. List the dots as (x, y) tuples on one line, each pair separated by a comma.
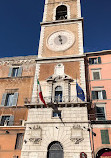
[(19, 141), (100, 113), (105, 137), (100, 95), (96, 75), (15, 72), (95, 60), (7, 120), (56, 114), (9, 99)]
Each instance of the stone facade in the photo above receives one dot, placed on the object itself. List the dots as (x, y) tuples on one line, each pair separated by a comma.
[(53, 129)]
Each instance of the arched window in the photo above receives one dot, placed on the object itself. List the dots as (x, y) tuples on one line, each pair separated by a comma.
[(61, 12), (55, 150), (105, 152), (58, 94)]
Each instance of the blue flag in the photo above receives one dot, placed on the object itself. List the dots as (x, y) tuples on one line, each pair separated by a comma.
[(80, 92)]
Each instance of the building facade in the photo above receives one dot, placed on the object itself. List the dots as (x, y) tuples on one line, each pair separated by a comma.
[(98, 82), (67, 126), (60, 128), (16, 83)]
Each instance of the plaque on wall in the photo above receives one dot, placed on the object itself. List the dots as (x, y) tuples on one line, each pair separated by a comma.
[(76, 134), (36, 134)]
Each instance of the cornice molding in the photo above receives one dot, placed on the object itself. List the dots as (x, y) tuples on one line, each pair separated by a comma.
[(103, 52), (61, 59), (18, 60), (61, 21)]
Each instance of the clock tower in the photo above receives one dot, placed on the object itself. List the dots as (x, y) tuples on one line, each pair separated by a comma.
[(59, 129), (61, 29)]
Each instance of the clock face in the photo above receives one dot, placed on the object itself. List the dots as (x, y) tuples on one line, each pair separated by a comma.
[(60, 40)]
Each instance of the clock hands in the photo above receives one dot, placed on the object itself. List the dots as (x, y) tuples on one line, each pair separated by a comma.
[(60, 39)]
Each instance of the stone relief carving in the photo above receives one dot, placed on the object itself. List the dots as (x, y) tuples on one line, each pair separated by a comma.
[(36, 134), (76, 134), (59, 69)]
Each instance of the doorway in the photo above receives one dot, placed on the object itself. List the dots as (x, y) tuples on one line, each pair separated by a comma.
[(55, 150)]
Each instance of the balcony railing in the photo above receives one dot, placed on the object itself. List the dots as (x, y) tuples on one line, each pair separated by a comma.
[(97, 116), (56, 99)]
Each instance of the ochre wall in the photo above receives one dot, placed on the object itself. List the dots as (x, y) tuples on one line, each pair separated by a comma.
[(23, 84), (70, 68), (18, 113), (8, 141), (74, 49)]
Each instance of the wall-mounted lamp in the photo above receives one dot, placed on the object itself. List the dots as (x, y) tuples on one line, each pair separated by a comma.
[(7, 132), (25, 141), (88, 129)]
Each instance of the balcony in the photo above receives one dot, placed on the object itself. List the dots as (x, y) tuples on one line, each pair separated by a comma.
[(97, 117), (53, 100)]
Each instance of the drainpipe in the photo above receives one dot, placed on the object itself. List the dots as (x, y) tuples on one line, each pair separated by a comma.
[(92, 133)]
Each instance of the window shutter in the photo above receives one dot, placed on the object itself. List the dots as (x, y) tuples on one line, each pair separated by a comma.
[(19, 141), (19, 72), (99, 60), (10, 72), (105, 137), (93, 95), (0, 119), (11, 121), (104, 94), (15, 98), (96, 75), (3, 99), (90, 61)]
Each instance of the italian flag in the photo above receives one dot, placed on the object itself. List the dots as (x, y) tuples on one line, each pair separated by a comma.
[(40, 93)]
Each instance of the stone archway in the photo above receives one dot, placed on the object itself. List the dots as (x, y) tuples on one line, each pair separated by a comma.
[(55, 150), (104, 153)]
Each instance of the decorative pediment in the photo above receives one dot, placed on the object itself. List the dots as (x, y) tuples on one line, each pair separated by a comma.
[(77, 134), (56, 78)]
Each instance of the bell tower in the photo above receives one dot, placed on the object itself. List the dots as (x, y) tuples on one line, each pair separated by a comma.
[(61, 29), (55, 129)]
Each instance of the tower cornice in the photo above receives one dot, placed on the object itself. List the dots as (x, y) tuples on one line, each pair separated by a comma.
[(72, 57), (61, 21)]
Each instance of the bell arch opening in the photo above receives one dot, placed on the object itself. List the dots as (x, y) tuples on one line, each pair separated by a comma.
[(61, 12), (55, 150)]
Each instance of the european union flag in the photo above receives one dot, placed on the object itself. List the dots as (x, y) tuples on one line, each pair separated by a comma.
[(80, 92)]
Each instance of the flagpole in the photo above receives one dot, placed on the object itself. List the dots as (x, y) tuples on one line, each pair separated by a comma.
[(37, 93), (76, 89)]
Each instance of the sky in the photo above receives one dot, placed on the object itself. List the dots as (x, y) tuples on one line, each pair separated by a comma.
[(20, 26)]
